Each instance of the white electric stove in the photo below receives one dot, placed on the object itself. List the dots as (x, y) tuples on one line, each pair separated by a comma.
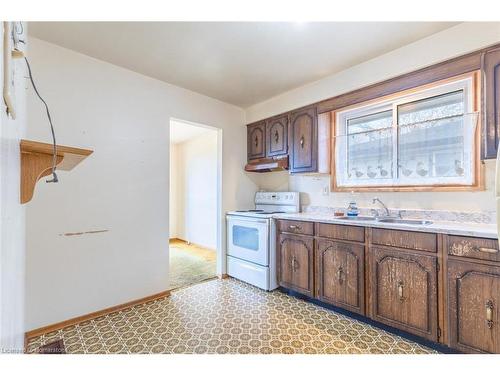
[(251, 248)]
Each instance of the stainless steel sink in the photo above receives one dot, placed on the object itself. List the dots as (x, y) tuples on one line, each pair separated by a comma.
[(404, 221), (394, 220), (356, 218)]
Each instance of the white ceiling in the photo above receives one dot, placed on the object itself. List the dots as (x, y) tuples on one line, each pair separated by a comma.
[(181, 131), (242, 63)]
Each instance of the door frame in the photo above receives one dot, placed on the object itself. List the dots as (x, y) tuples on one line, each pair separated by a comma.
[(220, 256)]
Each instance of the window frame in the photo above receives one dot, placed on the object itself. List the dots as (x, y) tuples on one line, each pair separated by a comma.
[(469, 82)]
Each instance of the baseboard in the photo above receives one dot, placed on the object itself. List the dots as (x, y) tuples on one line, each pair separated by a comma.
[(83, 318), (191, 243)]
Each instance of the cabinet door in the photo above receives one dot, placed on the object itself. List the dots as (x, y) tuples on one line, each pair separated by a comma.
[(474, 295), (340, 274), (304, 141), (491, 94), (277, 136), (404, 290), (256, 141), (295, 263)]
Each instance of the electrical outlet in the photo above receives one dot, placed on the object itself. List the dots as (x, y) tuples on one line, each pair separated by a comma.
[(326, 190)]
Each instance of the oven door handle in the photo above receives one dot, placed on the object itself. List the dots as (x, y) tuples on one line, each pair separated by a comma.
[(233, 219)]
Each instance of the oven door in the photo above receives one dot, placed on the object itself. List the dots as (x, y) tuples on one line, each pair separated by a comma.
[(248, 239)]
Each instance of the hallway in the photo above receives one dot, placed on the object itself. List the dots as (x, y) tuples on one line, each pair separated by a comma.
[(189, 264)]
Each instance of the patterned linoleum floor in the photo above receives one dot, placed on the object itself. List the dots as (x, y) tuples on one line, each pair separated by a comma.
[(227, 316)]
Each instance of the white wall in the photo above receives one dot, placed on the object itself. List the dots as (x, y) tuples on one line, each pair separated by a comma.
[(196, 190), (12, 217), (452, 42), (122, 188)]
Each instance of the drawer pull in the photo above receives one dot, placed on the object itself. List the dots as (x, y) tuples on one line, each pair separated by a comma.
[(489, 313), (295, 264), (295, 228), (400, 291), (488, 250), (340, 272)]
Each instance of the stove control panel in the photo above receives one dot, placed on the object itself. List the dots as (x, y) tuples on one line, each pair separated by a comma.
[(281, 198)]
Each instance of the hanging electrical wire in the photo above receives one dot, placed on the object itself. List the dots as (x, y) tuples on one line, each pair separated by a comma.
[(54, 144)]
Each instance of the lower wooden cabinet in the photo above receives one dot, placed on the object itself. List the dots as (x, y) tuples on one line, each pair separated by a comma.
[(395, 279), (340, 274), (295, 262), (404, 290), (474, 297)]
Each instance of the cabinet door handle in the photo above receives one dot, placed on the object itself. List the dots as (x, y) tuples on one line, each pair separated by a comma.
[(276, 136), (489, 313), (340, 271), (488, 250), (256, 141), (302, 141), (400, 291), (295, 264)]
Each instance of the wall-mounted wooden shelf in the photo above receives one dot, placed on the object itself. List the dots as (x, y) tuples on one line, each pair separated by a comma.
[(36, 162)]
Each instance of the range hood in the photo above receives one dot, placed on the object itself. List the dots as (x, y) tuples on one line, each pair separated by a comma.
[(267, 165)]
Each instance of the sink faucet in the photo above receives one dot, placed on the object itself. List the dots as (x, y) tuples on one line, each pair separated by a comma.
[(375, 200)]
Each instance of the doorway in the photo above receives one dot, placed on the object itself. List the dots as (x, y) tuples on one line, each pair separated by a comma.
[(194, 203)]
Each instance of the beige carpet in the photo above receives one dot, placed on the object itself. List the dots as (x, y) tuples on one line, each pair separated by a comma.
[(227, 316), (190, 264)]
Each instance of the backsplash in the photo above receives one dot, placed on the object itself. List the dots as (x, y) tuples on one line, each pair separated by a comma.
[(460, 206), (483, 217)]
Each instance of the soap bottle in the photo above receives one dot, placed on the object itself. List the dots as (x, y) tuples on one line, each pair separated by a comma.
[(352, 209)]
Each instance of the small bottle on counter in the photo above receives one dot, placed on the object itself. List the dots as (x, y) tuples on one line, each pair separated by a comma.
[(352, 209)]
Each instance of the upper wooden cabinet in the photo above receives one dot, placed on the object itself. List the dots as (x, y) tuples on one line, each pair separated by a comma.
[(277, 136), (474, 297), (256, 140), (491, 101), (304, 140)]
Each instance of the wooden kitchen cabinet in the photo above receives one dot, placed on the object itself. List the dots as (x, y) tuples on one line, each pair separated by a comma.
[(474, 296), (256, 140), (304, 140), (491, 98), (403, 287), (277, 136), (340, 274), (295, 261)]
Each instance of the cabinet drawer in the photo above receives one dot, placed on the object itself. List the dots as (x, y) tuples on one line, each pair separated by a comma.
[(471, 247), (405, 240), (341, 232), (296, 227)]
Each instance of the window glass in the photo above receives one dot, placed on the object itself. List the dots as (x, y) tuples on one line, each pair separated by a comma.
[(246, 237), (431, 137), (369, 147), (423, 138)]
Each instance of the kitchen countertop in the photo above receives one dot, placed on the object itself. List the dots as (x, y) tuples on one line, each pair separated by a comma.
[(447, 227)]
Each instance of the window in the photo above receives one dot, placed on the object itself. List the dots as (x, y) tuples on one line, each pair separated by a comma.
[(422, 138)]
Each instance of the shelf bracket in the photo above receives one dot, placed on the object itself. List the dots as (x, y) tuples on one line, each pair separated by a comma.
[(36, 162)]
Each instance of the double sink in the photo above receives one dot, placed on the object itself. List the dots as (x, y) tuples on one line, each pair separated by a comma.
[(385, 219)]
